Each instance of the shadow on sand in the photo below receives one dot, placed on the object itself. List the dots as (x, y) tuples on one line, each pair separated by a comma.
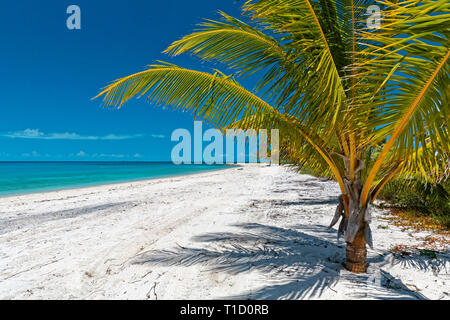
[(295, 264), (7, 225)]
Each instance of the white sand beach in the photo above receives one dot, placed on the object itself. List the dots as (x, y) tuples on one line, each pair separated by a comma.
[(255, 232)]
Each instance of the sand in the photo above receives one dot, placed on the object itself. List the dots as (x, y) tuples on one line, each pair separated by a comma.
[(256, 232)]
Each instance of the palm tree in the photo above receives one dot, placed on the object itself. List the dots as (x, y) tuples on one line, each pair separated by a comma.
[(363, 105)]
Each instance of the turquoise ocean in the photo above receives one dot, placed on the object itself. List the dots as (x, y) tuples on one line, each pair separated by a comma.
[(29, 177)]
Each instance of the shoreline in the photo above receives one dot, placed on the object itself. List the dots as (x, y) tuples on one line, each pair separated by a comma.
[(251, 232), (105, 183)]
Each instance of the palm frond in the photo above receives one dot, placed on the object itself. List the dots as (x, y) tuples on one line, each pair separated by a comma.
[(316, 91), (407, 112), (233, 43), (216, 98)]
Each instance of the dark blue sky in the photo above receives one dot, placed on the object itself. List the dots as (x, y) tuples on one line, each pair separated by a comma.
[(50, 73)]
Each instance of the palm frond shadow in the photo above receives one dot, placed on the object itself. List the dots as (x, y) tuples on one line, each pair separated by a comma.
[(418, 260), (297, 185), (298, 265), (12, 224), (306, 202)]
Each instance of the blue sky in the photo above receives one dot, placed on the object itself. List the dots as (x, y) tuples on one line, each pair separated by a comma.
[(50, 74)]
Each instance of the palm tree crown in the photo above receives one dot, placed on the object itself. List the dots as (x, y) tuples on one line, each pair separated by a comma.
[(361, 105)]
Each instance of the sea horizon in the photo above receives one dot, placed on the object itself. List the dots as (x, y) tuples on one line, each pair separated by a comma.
[(25, 177)]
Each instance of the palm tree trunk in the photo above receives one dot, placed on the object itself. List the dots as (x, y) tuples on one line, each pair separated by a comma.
[(356, 254), (355, 235)]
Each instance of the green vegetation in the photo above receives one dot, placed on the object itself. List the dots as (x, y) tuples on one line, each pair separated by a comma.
[(361, 105), (428, 253), (418, 200)]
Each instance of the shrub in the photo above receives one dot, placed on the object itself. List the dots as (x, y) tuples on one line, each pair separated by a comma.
[(421, 198)]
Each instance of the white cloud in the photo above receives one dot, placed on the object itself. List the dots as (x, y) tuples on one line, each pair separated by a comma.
[(30, 154), (110, 155), (5, 154), (36, 134), (158, 136), (84, 154)]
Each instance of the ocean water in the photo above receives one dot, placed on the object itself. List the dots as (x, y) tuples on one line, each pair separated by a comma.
[(28, 177)]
